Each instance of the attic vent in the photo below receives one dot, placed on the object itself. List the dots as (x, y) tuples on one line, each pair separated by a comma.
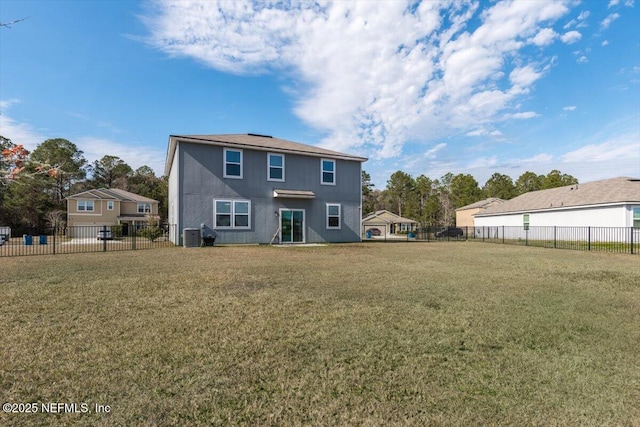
[(261, 136)]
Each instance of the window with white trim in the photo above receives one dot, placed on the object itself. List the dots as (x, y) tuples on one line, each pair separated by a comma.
[(525, 221), (85, 205), (232, 163), (333, 215), (144, 207), (232, 214), (275, 167), (636, 217), (109, 205), (327, 172)]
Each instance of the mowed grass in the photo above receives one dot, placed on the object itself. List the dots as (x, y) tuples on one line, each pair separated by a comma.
[(364, 334)]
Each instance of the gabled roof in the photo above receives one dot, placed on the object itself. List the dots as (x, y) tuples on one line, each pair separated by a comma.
[(254, 142), (112, 194), (481, 204), (387, 217), (620, 190)]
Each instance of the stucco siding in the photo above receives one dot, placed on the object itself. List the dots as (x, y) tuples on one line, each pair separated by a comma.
[(604, 216), (464, 218)]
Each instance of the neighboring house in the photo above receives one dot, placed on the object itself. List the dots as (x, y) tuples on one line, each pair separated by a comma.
[(608, 203), (248, 188), (464, 215), (109, 206), (388, 222)]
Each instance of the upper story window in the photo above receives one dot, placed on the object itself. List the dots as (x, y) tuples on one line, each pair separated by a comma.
[(636, 217), (144, 207), (85, 205), (232, 213), (333, 215), (232, 163), (109, 205), (328, 172), (275, 167)]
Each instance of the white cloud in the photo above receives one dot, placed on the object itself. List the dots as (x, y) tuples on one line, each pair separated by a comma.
[(613, 3), (373, 75), (619, 148), (135, 155), (571, 37), (18, 132), (605, 43), (608, 20), (524, 115), (544, 37), (569, 108)]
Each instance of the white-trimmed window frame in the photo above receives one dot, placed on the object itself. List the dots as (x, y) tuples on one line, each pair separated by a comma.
[(269, 167), (83, 206), (635, 211), (329, 215), (225, 163), (146, 208), (110, 205), (233, 214), (322, 172)]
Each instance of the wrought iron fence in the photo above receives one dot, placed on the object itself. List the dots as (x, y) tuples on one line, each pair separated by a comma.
[(610, 239), (69, 240)]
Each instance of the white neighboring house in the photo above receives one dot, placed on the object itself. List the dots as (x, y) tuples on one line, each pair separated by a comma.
[(609, 203)]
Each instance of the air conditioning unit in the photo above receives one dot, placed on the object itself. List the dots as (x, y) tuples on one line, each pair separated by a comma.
[(191, 237)]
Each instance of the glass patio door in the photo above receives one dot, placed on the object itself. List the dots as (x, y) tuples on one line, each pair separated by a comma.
[(291, 226)]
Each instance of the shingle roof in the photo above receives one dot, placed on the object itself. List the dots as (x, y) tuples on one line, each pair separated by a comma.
[(388, 217), (112, 194), (609, 191), (256, 142), (481, 203)]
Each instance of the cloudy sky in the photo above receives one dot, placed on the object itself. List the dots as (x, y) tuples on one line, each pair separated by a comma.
[(425, 87)]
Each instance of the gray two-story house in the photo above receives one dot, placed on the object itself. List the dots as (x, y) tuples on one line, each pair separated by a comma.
[(247, 188)]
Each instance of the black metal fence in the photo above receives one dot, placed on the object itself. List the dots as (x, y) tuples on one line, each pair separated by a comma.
[(70, 240), (609, 239)]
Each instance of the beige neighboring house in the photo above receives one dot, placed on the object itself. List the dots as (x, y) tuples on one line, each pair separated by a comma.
[(465, 214), (109, 206), (388, 223)]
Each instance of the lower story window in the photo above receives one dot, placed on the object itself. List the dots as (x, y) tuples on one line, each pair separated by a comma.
[(333, 215), (232, 213), (636, 217)]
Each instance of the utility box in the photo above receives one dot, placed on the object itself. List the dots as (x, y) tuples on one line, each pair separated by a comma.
[(191, 237)]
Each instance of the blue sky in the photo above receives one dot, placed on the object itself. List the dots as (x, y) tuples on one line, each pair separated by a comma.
[(424, 87)]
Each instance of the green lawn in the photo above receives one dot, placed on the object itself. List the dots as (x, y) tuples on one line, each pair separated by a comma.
[(432, 333)]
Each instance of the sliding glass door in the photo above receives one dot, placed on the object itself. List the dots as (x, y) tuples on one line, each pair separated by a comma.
[(291, 226)]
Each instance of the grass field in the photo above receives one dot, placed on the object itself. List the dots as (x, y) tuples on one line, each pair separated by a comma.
[(364, 334)]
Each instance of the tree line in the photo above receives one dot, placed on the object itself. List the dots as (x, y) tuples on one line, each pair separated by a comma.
[(434, 201), (56, 169)]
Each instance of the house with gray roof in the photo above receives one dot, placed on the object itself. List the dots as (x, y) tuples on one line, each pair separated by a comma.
[(387, 223), (109, 207), (249, 188), (465, 214), (608, 203)]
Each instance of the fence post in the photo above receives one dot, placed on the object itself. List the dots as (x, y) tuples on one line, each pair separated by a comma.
[(555, 234), (133, 236), (589, 238), (631, 229), (55, 227), (104, 238), (503, 234)]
